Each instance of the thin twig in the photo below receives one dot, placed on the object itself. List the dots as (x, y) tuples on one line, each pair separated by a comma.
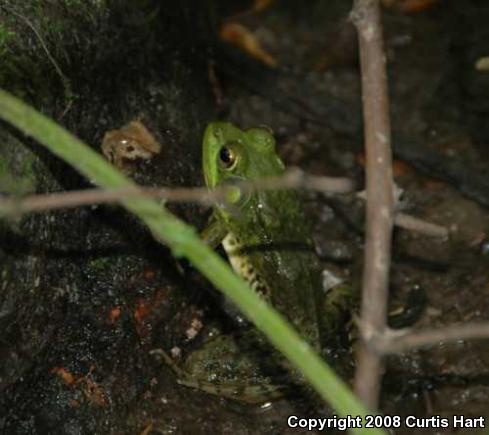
[(366, 15), (293, 178), (15, 207), (411, 223), (391, 341), (417, 225)]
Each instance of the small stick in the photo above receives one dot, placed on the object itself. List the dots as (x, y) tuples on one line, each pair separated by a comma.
[(292, 178), (391, 341), (366, 16), (15, 207), (411, 223)]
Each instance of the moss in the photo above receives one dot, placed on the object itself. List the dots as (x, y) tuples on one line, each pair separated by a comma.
[(7, 57), (42, 40), (5, 36), (39, 41), (20, 72), (100, 264), (84, 5), (17, 175)]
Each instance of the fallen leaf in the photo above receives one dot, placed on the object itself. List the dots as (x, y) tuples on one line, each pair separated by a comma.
[(114, 314), (261, 5), (244, 39), (410, 6), (64, 374)]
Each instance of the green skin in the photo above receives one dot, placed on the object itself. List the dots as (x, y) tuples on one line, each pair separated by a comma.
[(267, 241), (282, 266)]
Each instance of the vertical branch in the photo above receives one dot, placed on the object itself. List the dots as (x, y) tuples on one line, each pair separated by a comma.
[(366, 15)]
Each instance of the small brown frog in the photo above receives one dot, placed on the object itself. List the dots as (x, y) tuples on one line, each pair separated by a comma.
[(131, 142)]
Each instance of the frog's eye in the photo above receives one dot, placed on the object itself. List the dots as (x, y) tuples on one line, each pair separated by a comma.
[(227, 157)]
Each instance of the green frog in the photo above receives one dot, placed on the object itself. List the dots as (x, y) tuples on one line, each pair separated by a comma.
[(267, 240)]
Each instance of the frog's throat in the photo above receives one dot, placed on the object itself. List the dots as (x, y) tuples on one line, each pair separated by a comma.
[(243, 266)]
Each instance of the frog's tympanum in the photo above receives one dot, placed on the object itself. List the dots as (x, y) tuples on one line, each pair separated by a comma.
[(267, 241)]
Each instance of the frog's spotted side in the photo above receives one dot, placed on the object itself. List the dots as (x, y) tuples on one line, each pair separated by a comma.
[(243, 266), (267, 242)]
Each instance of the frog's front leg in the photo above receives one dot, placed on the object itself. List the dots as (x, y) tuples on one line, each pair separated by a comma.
[(214, 233)]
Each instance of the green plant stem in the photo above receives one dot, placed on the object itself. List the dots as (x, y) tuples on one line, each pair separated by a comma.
[(184, 241)]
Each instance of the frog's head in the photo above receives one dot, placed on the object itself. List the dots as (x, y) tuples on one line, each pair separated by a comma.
[(231, 154)]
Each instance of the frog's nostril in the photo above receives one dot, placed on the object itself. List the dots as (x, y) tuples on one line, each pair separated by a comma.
[(217, 132)]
